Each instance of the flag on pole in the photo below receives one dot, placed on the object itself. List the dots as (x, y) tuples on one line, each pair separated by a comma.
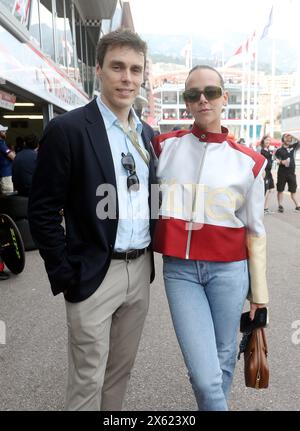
[(21, 9), (266, 29), (187, 53), (237, 57), (251, 47), (246, 52)]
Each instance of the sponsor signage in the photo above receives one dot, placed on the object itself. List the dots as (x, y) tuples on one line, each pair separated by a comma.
[(25, 66), (7, 101)]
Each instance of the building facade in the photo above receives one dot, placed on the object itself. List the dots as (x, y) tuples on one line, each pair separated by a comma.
[(248, 113), (170, 109)]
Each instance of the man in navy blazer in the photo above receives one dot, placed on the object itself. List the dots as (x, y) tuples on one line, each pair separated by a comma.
[(95, 163)]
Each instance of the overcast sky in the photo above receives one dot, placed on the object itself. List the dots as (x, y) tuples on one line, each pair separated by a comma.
[(215, 16)]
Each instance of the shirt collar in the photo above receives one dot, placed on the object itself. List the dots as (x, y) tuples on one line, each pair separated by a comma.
[(205, 136), (110, 119)]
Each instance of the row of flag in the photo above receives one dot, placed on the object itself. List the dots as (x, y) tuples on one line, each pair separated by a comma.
[(246, 52)]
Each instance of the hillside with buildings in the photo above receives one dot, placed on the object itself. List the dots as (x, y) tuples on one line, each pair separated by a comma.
[(171, 49), (255, 100)]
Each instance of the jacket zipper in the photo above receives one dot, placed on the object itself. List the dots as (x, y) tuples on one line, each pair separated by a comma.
[(191, 222)]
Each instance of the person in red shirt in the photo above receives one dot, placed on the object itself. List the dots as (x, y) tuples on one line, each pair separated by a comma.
[(211, 234)]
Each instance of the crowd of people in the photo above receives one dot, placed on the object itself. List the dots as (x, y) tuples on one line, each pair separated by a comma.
[(285, 160), (17, 163), (121, 189)]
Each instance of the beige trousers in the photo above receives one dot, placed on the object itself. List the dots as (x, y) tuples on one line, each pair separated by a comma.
[(103, 336)]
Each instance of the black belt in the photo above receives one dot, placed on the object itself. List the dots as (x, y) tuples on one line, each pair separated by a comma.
[(129, 255)]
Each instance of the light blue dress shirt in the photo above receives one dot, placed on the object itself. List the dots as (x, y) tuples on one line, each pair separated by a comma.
[(133, 226)]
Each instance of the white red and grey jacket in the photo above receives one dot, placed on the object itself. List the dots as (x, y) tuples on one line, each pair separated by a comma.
[(212, 202)]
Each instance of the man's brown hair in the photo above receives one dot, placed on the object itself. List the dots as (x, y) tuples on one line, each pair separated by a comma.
[(120, 37)]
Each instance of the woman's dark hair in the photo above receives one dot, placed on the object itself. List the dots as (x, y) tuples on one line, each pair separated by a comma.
[(205, 66), (262, 142), (120, 37), (283, 137)]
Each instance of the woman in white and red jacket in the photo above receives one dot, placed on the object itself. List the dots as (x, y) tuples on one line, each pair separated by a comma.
[(211, 234)]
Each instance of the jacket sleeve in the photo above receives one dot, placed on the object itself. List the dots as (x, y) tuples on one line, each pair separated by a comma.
[(47, 198), (256, 241)]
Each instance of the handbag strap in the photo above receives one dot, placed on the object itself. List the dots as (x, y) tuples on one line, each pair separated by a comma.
[(244, 342)]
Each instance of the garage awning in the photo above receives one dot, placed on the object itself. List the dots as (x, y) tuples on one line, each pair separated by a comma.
[(96, 9)]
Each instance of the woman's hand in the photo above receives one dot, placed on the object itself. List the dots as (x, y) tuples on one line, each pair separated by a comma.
[(254, 307)]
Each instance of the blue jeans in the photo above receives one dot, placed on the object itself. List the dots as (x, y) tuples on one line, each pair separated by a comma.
[(206, 301)]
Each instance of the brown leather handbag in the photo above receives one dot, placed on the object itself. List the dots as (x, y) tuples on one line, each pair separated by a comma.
[(256, 367)]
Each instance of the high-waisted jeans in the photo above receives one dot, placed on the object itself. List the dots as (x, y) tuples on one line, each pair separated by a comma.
[(206, 301)]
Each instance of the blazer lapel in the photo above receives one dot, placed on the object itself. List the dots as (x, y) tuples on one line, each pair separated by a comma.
[(99, 141)]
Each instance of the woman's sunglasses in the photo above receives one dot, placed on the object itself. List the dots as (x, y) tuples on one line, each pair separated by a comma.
[(211, 92)]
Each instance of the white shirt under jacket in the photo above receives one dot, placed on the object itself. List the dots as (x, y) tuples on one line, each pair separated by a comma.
[(212, 202)]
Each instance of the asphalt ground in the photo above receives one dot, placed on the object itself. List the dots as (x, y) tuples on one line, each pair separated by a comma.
[(33, 360)]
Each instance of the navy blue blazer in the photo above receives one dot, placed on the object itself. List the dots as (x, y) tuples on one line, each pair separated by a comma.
[(74, 158)]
